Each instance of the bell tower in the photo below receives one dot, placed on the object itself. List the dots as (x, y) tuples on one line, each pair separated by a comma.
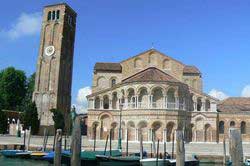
[(55, 63)]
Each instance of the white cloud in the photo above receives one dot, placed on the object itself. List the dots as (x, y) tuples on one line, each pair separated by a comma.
[(25, 25), (81, 99), (246, 91), (218, 94)]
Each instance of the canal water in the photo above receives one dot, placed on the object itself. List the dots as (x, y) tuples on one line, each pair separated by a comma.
[(29, 162), (21, 162)]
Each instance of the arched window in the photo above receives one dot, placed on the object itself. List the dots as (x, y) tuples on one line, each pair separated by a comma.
[(106, 102), (113, 82), (49, 16), (57, 14), (232, 124), (53, 15), (221, 127), (199, 104), (243, 127)]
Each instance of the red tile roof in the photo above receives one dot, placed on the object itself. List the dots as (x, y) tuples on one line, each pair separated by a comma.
[(235, 104), (111, 67), (191, 70), (150, 74)]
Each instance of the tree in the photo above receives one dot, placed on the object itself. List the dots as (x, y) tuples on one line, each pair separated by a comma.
[(12, 87), (3, 119), (30, 117), (3, 122), (28, 95), (30, 86), (58, 119)]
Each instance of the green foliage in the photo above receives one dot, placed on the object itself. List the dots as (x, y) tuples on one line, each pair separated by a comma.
[(28, 96), (58, 119), (30, 86), (3, 122), (30, 117), (12, 87)]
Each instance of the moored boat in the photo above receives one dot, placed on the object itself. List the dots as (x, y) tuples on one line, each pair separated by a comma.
[(15, 153), (166, 162), (88, 158), (118, 161), (50, 156), (37, 155)]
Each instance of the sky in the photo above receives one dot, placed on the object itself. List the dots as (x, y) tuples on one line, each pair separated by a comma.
[(212, 35)]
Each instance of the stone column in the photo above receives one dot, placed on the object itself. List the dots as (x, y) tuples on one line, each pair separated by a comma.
[(98, 133), (203, 107), (101, 104), (149, 134), (136, 101), (164, 102), (149, 101), (165, 135), (195, 135), (184, 103), (177, 102), (93, 106), (126, 134), (135, 134), (194, 105), (125, 103), (110, 104)]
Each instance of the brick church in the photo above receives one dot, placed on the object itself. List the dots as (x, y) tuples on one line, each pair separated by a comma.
[(156, 95)]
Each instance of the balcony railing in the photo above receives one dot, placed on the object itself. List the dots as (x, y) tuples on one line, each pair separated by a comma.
[(156, 105), (153, 105)]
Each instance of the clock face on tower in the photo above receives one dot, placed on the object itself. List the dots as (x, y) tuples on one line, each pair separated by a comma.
[(49, 50)]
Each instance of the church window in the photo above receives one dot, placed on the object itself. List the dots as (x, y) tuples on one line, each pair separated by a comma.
[(221, 127), (57, 14), (243, 127), (113, 82), (53, 15), (199, 104), (49, 15), (232, 124)]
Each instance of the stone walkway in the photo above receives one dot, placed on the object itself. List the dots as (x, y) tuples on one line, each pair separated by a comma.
[(191, 148)]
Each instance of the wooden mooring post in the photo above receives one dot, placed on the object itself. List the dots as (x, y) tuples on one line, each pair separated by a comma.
[(58, 148), (141, 146), (44, 139), (235, 149), (27, 140), (172, 156), (76, 143), (224, 152), (180, 148)]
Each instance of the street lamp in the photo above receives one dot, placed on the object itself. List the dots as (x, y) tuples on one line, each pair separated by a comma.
[(120, 128)]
